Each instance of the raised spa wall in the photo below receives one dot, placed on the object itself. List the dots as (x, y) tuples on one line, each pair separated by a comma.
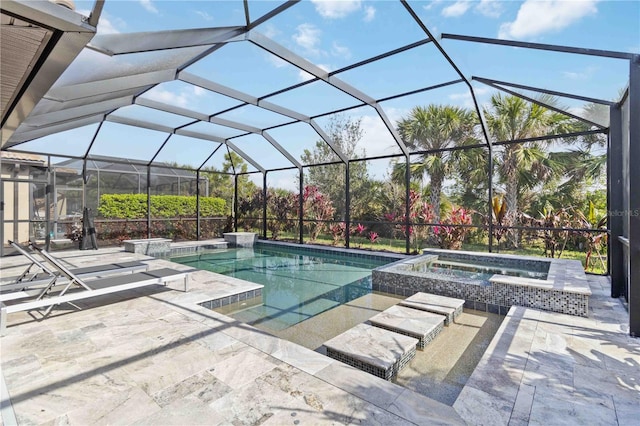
[(565, 290)]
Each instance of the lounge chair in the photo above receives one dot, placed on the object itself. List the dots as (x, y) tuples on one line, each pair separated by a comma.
[(46, 275), (28, 275), (76, 289)]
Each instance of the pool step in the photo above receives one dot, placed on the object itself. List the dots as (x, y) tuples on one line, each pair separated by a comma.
[(375, 350), (422, 325), (447, 306)]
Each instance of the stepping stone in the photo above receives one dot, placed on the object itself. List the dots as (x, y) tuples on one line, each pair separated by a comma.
[(447, 306), (377, 351), (422, 325)]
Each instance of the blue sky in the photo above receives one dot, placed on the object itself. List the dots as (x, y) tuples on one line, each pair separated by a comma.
[(333, 34)]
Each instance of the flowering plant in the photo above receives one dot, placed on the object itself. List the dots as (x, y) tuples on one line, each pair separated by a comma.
[(448, 231), (451, 236), (318, 209), (420, 212), (338, 232)]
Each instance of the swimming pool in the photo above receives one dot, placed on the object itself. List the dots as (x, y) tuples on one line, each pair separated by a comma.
[(298, 283)]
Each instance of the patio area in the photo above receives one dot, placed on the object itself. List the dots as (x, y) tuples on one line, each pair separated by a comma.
[(397, 129), (154, 356)]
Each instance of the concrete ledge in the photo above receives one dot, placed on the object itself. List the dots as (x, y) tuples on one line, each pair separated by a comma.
[(149, 246), (422, 325), (449, 307), (240, 239), (373, 350)]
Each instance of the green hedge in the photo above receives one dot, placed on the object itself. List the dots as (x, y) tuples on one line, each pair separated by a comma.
[(134, 206)]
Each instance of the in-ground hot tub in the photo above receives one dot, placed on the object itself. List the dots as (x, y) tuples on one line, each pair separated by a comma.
[(490, 282)]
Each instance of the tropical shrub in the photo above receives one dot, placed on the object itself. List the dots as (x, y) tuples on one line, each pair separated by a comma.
[(123, 216), (318, 209), (451, 236), (595, 242), (499, 212), (555, 240), (249, 210), (123, 206), (338, 232), (282, 206), (134, 206), (420, 212)]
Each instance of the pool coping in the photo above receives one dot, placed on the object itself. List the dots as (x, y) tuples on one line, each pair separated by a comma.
[(350, 252)]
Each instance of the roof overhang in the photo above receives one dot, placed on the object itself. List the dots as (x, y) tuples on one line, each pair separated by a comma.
[(39, 39)]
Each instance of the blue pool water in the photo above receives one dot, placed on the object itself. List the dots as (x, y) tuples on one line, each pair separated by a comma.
[(297, 285), (475, 270)]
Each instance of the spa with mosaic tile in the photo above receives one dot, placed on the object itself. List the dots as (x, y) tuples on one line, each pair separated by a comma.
[(563, 287)]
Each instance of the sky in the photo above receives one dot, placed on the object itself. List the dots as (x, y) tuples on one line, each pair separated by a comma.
[(332, 35)]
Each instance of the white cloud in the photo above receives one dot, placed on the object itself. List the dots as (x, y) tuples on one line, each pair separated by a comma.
[(204, 15), (199, 91), (465, 99), (304, 76), (307, 36), (536, 17), (341, 51), (431, 4), (369, 13), (579, 111), (167, 97), (149, 6), (279, 182), (377, 140), (275, 61), (584, 74), (106, 24), (270, 31), (574, 75), (490, 8), (459, 8), (334, 9)]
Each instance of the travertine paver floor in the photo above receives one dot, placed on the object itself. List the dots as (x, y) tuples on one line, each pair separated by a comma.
[(546, 368), (153, 356)]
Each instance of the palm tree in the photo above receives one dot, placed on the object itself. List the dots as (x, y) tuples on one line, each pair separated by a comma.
[(523, 166), (436, 127), (584, 164), (471, 182)]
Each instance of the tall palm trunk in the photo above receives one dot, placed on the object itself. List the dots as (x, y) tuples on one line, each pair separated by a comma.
[(511, 196), (436, 191)]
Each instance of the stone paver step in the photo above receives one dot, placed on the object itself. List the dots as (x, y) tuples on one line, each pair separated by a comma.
[(422, 325), (377, 351), (447, 306)]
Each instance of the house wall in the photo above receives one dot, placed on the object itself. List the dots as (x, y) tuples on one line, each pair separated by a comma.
[(17, 202)]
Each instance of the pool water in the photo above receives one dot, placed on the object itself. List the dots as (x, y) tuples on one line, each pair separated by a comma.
[(296, 286), (474, 270)]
